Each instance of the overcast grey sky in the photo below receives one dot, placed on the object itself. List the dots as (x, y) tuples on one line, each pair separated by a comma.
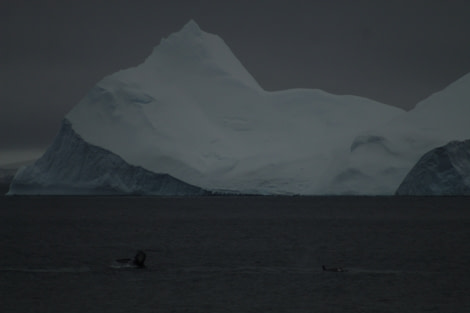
[(396, 52)]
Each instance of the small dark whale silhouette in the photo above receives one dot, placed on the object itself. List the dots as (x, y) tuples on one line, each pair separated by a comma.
[(138, 261), (332, 269)]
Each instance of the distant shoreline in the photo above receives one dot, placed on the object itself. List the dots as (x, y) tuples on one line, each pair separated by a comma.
[(4, 189)]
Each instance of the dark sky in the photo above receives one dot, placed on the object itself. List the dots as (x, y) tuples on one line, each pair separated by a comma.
[(396, 52)]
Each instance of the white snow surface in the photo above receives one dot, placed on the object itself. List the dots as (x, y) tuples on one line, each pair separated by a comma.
[(192, 111), (381, 158)]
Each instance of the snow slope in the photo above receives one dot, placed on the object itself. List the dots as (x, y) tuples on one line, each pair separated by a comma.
[(381, 158), (73, 166), (441, 171), (192, 110)]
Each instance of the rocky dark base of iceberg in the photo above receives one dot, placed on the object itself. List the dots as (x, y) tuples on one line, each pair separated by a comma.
[(71, 166), (441, 171)]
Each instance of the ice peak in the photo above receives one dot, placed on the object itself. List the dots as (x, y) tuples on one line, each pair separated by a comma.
[(192, 51), (191, 27), (188, 41)]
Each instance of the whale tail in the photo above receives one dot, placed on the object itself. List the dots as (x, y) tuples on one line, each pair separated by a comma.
[(139, 258)]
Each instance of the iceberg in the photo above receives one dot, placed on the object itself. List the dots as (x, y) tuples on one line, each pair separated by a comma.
[(191, 111)]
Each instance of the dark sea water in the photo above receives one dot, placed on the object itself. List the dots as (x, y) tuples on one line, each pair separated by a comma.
[(235, 254)]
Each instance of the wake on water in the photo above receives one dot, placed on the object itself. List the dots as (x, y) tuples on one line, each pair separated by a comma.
[(46, 270)]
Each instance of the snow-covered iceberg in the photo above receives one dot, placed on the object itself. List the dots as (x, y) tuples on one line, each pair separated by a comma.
[(192, 111), (441, 171)]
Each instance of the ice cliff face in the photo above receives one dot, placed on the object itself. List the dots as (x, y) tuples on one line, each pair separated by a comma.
[(441, 171), (73, 166), (192, 111)]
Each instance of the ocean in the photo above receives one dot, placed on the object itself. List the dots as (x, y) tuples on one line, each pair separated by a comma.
[(235, 254)]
